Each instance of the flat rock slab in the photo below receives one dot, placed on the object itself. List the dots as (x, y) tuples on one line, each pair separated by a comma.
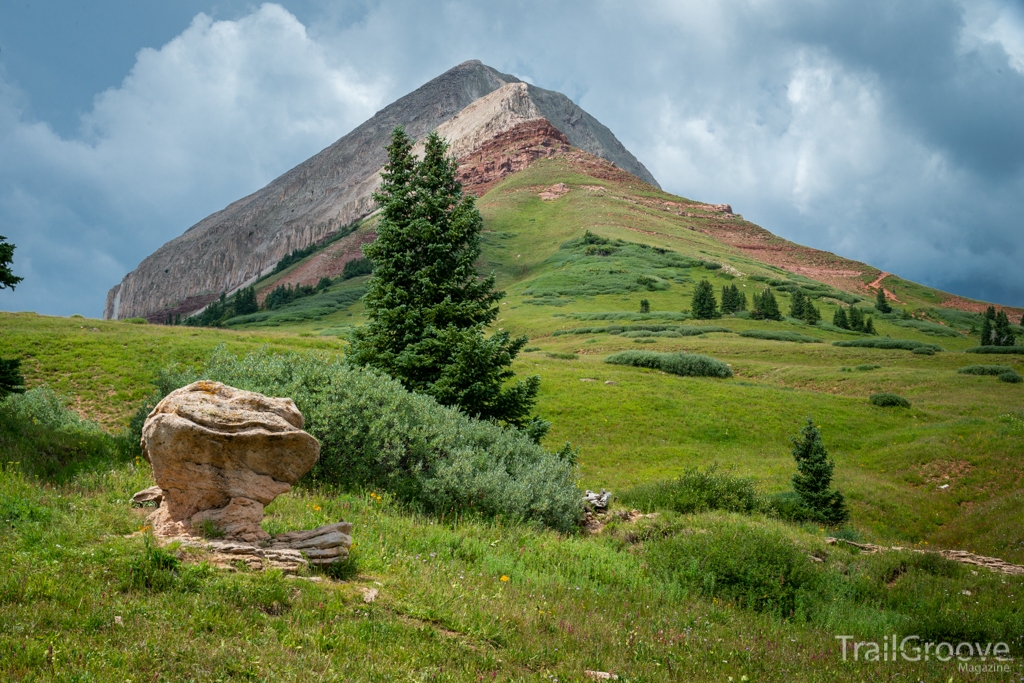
[(220, 455), (319, 547)]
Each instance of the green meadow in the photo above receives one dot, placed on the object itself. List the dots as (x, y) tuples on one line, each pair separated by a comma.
[(484, 599)]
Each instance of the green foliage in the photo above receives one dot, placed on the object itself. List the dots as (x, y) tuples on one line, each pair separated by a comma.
[(733, 300), (592, 265), (643, 330), (869, 326), (11, 380), (984, 369), (887, 343), (881, 302), (136, 321), (697, 491), (303, 309), (298, 254), (1011, 377), (285, 294), (995, 349), (765, 306), (887, 400), (780, 336), (356, 268), (7, 277), (645, 306), (754, 567), (797, 303), (840, 320), (987, 334), (927, 327), (245, 301), (813, 478), (1002, 335), (856, 318), (683, 364), (703, 306), (427, 308), (375, 434), (50, 442)]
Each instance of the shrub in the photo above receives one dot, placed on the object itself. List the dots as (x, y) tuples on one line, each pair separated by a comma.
[(373, 433), (780, 336), (995, 349), (683, 364), (984, 369), (697, 491), (927, 327), (887, 343), (924, 351), (754, 566), (49, 441), (136, 321), (886, 400), (1011, 377)]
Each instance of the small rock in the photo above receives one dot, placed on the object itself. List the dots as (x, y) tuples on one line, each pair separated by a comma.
[(154, 494), (611, 382), (600, 675), (588, 379), (369, 595), (598, 501), (966, 592), (119, 621)]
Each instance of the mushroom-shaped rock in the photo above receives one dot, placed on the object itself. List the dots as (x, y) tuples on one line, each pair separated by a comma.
[(220, 454)]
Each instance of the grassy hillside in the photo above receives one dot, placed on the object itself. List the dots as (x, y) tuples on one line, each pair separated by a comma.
[(946, 472)]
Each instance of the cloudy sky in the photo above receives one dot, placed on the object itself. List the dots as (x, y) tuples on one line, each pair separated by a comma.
[(888, 132)]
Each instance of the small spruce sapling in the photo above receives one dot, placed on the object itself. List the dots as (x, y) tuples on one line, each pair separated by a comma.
[(839, 319), (765, 306), (856, 317), (987, 333), (1002, 333), (869, 326), (797, 305), (645, 306), (813, 479), (11, 381)]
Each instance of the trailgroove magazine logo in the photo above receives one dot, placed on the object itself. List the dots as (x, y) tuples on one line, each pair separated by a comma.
[(973, 657)]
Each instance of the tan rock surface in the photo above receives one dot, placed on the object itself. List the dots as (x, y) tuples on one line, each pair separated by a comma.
[(221, 454)]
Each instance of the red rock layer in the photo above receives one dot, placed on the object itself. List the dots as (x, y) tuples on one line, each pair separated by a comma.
[(509, 152)]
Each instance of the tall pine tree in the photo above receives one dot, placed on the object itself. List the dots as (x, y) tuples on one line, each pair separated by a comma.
[(427, 307), (856, 318), (7, 277), (765, 306), (813, 479), (704, 306), (797, 304)]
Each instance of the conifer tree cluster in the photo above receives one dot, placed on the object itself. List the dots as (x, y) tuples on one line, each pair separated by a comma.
[(813, 479), (645, 306), (801, 308), (995, 329), (733, 299), (765, 306), (853, 319), (427, 307), (704, 306), (11, 381)]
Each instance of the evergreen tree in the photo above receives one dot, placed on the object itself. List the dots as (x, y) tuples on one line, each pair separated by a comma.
[(11, 381), (839, 318), (1001, 333), (765, 306), (811, 314), (740, 298), (729, 303), (797, 303), (856, 318), (427, 307), (645, 306), (987, 324), (7, 277), (324, 283), (881, 303), (704, 306), (869, 326), (245, 301), (813, 479)]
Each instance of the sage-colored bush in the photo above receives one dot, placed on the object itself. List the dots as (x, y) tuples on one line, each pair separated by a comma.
[(683, 364), (885, 400)]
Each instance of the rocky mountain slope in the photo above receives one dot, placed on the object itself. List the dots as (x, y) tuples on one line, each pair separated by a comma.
[(505, 122)]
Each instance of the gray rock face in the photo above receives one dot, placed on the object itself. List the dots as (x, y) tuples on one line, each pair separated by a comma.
[(235, 246)]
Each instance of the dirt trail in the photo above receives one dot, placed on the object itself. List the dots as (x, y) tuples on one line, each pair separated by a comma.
[(961, 556)]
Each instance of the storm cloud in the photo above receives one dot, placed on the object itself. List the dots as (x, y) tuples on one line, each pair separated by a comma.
[(887, 132)]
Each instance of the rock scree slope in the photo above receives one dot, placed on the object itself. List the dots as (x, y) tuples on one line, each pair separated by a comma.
[(472, 105)]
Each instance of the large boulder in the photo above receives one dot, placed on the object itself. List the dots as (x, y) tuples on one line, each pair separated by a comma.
[(220, 455)]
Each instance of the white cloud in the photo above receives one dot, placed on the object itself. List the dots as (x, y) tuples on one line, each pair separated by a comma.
[(212, 115)]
